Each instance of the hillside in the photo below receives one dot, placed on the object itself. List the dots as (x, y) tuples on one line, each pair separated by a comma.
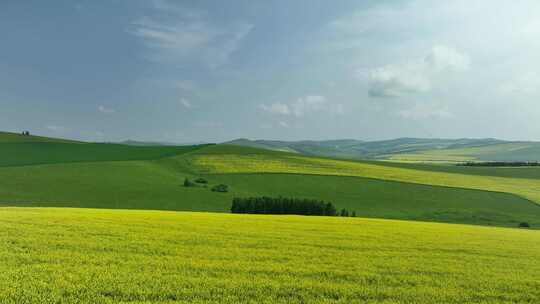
[(223, 159), (10, 137), (408, 149), (103, 256), (118, 176)]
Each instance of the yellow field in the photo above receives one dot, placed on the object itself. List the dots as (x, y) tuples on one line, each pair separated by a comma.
[(252, 163), (460, 155), (52, 255)]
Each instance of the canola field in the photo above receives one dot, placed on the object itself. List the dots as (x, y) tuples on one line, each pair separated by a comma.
[(69, 255)]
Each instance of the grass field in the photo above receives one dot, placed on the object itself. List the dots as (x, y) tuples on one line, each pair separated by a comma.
[(102, 256), (157, 185), (219, 159), (497, 152), (91, 175), (35, 153)]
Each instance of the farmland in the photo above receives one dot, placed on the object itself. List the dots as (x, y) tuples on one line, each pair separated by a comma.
[(98, 249), (226, 160), (411, 150), (103, 256), (156, 183)]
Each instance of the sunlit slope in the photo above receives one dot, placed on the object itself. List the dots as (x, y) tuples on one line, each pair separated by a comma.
[(415, 150), (521, 151), (155, 185), (68, 181), (102, 256), (232, 159)]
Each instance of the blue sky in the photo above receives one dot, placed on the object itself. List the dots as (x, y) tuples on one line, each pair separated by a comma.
[(185, 71)]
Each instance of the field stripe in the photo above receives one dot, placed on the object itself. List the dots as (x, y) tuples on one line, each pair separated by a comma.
[(229, 163)]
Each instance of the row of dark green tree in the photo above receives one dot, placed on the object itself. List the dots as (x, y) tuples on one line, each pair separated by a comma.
[(501, 164), (284, 205)]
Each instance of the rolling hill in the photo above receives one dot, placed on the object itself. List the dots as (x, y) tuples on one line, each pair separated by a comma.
[(66, 255), (131, 177), (408, 149)]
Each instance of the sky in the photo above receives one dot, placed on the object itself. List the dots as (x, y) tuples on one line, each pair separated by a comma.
[(212, 71)]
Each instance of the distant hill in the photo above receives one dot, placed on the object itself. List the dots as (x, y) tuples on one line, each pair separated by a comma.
[(130, 142), (408, 149)]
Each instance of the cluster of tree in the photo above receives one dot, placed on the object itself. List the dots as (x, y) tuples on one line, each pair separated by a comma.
[(220, 188), (26, 133), (198, 182), (283, 205), (524, 225), (201, 182), (501, 164)]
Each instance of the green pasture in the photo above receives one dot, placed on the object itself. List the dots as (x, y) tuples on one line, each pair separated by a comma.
[(158, 185), (213, 160)]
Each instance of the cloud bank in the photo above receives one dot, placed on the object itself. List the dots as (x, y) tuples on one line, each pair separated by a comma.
[(397, 80)]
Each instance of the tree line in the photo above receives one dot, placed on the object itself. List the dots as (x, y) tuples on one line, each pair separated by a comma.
[(501, 164), (283, 205)]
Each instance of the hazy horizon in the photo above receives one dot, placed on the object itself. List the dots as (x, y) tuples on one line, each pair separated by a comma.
[(207, 71)]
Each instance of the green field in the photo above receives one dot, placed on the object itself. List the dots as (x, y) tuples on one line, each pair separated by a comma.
[(102, 256), (230, 159), (34, 153), (411, 150), (372, 189), (148, 185), (515, 151)]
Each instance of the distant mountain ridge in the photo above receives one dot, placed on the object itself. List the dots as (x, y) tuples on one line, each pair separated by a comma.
[(407, 149)]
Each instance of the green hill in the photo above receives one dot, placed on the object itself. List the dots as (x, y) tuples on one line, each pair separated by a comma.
[(9, 137), (418, 150), (102, 256), (33, 153), (119, 176), (222, 159)]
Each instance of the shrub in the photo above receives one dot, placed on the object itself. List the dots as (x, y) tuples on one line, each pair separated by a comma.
[(524, 225), (201, 180), (188, 183), (220, 188)]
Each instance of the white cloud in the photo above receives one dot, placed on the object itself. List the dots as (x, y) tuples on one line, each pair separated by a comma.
[(307, 104), (276, 108), (105, 110), (424, 111), (526, 84), (184, 102), (415, 76), (182, 35), (398, 80), (443, 58), (283, 124), (303, 106)]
